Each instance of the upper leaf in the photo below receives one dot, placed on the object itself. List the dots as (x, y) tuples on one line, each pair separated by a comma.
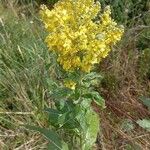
[(95, 96)]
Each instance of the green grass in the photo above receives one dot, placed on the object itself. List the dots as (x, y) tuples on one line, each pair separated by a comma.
[(24, 74), (26, 67)]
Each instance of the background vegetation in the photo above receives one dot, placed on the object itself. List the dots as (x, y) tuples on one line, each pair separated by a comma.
[(26, 67)]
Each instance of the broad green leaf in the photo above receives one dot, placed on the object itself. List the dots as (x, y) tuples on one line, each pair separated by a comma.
[(52, 136), (93, 95), (64, 146), (74, 76), (51, 146), (92, 76), (81, 117), (60, 93), (92, 129), (65, 106), (91, 79), (53, 116), (70, 121), (98, 99), (146, 101), (61, 119), (60, 104), (144, 123)]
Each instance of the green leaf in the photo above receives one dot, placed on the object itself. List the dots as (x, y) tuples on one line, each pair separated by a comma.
[(64, 117), (92, 129), (91, 79), (52, 136), (60, 93), (127, 125), (52, 85), (144, 123), (60, 104), (53, 116), (52, 111), (70, 121), (98, 99), (93, 95), (146, 101), (91, 76), (65, 105), (51, 147), (74, 76), (64, 146)]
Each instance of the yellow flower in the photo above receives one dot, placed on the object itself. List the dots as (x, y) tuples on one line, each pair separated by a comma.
[(79, 41), (70, 84)]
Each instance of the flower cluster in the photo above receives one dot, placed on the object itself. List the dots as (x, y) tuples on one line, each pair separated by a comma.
[(70, 84), (79, 34)]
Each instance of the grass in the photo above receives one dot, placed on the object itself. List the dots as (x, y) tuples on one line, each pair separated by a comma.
[(26, 68), (24, 64)]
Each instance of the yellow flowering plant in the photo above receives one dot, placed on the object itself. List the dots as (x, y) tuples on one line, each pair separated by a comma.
[(79, 41), (80, 35)]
